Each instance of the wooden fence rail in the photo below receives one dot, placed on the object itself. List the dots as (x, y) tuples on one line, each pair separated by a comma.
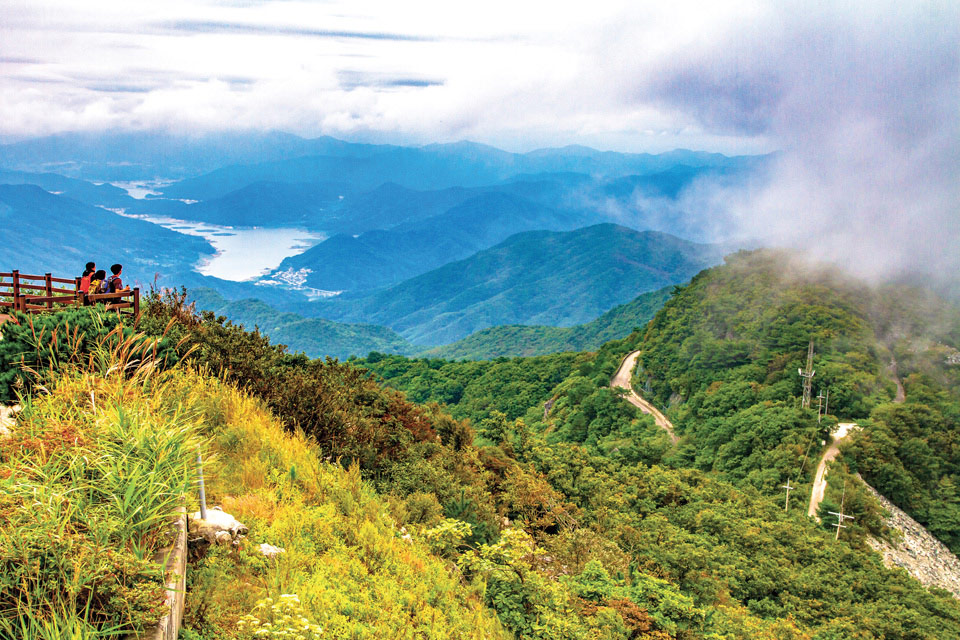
[(37, 294)]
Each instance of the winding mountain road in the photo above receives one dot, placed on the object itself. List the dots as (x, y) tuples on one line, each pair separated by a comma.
[(820, 481), (621, 380)]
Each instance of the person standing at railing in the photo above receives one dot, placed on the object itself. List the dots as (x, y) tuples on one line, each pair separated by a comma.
[(114, 284), (85, 278)]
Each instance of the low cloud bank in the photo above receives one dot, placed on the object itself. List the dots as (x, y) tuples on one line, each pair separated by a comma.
[(864, 103)]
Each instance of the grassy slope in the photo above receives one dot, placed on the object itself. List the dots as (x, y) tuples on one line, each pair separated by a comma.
[(346, 557), (87, 479)]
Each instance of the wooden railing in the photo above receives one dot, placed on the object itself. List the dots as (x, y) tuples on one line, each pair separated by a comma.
[(37, 294)]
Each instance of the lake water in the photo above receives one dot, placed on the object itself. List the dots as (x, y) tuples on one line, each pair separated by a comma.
[(242, 254)]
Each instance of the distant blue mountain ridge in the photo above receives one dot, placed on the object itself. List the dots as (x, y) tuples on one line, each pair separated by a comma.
[(534, 277), (45, 232), (435, 241)]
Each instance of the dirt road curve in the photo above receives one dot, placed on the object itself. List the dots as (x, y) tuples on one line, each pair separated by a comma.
[(621, 379), (820, 481)]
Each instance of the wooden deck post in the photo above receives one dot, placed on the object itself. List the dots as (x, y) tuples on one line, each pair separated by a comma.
[(16, 289), (136, 303), (48, 284)]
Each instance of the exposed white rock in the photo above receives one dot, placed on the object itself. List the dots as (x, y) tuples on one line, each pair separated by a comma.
[(919, 553), (7, 419), (219, 527), (271, 551)]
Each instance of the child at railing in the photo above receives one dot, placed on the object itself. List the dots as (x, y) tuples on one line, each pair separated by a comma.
[(114, 284), (96, 281)]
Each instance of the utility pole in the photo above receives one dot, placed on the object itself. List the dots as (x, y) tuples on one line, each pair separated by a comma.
[(786, 505), (807, 376), (820, 411), (840, 516)]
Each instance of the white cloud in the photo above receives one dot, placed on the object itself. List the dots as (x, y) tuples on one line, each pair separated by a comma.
[(518, 74), (861, 97)]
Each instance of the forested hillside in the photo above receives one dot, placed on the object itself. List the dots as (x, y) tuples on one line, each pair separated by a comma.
[(721, 357), (534, 340), (559, 507), (537, 277), (315, 337), (45, 232), (379, 257), (723, 353)]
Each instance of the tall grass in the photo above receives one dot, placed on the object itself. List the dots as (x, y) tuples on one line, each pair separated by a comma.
[(97, 465), (346, 559)]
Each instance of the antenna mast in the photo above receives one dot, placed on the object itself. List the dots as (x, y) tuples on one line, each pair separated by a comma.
[(807, 376)]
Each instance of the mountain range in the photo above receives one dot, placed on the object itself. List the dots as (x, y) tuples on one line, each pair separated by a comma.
[(382, 257), (536, 277), (44, 232), (510, 341), (314, 336), (426, 245)]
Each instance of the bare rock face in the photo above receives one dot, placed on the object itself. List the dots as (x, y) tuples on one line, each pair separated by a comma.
[(218, 528), (919, 553)]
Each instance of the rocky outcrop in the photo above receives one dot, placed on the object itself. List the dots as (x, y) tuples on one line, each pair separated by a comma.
[(219, 527), (7, 419), (270, 551), (923, 556)]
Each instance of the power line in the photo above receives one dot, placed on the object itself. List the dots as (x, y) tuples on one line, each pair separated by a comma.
[(821, 407), (806, 453)]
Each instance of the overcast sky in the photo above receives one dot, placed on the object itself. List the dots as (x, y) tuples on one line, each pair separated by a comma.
[(862, 99), (519, 74)]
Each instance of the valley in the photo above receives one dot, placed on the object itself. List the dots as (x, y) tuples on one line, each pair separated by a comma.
[(479, 321), (354, 233), (469, 356)]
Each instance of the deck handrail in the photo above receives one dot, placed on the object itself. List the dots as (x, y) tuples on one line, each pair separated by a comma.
[(35, 294)]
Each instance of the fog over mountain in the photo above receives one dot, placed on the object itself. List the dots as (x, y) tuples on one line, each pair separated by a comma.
[(863, 102), (858, 99)]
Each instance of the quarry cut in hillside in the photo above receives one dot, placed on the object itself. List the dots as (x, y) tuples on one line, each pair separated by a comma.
[(919, 553)]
